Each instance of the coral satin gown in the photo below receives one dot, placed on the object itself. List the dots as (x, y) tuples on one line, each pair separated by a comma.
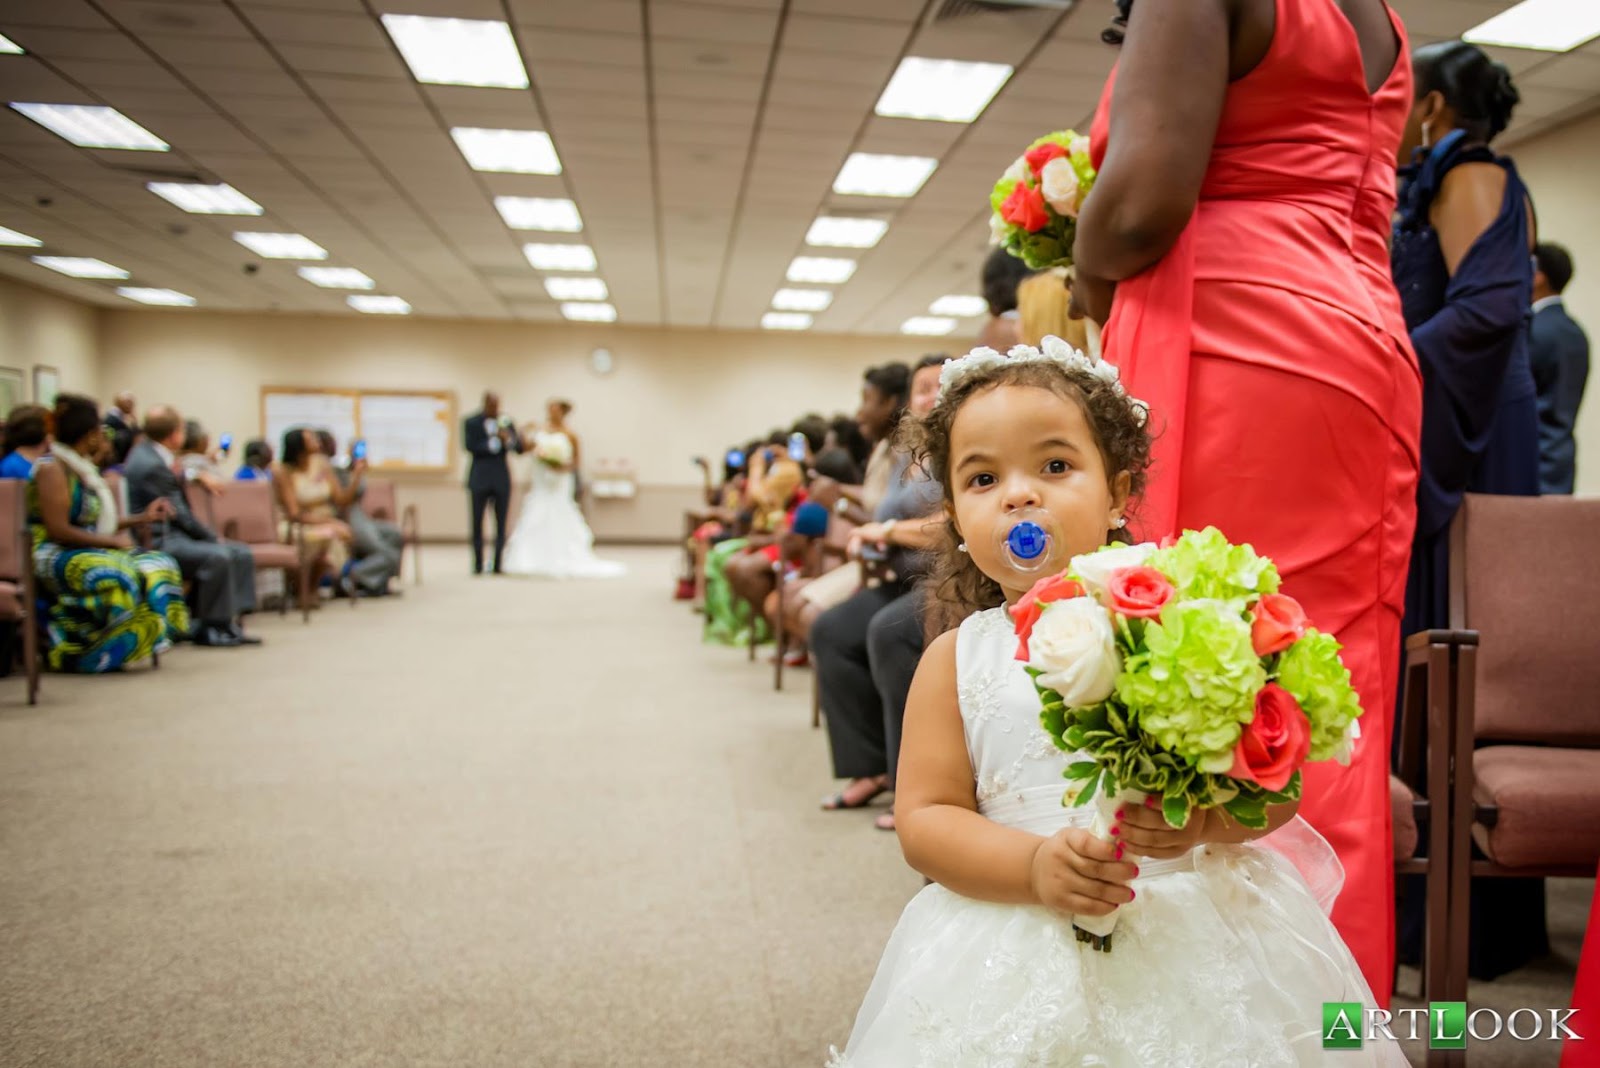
[(1286, 399)]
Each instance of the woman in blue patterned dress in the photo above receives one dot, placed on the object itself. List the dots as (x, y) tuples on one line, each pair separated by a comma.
[(106, 603)]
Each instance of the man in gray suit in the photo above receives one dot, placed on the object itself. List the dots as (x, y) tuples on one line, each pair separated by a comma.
[(224, 574), (1560, 353)]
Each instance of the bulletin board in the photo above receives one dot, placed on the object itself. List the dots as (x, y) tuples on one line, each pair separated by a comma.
[(405, 430)]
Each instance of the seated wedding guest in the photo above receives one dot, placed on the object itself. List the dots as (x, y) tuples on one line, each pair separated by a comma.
[(845, 433), (1559, 350), (770, 492), (751, 576), (310, 494), (27, 438), (122, 428), (867, 648), (194, 455), (1002, 273), (257, 464), (376, 545), (223, 573), (108, 604)]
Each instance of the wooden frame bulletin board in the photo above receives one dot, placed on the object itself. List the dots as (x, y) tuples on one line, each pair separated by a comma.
[(405, 429)]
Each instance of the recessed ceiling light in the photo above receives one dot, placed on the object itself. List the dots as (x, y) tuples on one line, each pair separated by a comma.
[(560, 257), (1547, 25), (540, 213), (92, 126), (80, 266), (869, 175), (372, 304), (336, 277), (168, 297), (821, 269), (219, 199), (281, 246), (509, 151), (785, 321), (590, 313), (947, 90), (8, 47), (18, 239), (931, 325), (959, 305), (801, 299), (458, 51), (846, 233), (576, 288)]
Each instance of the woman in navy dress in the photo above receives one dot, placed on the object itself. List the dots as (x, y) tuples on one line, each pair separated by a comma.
[(1462, 257)]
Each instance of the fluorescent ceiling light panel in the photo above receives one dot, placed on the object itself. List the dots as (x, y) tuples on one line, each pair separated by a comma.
[(576, 288), (1546, 25), (801, 299), (281, 246), (219, 199), (560, 257), (458, 51), (18, 239), (92, 126), (336, 278), (170, 298), (785, 321), (929, 325), (8, 47), (821, 269), (508, 151), (372, 304), (539, 213), (945, 90), (959, 305), (80, 266), (835, 232), (590, 313), (869, 175)]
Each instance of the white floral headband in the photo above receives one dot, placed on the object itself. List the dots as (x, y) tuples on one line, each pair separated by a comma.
[(1051, 350)]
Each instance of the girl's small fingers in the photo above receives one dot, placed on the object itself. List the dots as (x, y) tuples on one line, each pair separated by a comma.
[(1139, 816)]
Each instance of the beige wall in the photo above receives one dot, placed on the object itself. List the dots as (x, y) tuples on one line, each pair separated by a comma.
[(40, 328), (1560, 169), (673, 394)]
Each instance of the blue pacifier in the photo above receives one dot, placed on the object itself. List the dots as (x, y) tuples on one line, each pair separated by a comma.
[(1028, 540)]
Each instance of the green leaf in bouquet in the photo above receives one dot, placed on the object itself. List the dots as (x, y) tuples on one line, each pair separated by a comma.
[(1290, 792), (1116, 720), (1147, 767), (1033, 672), (1175, 810), (1248, 811), (1042, 250), (1089, 786), (1054, 722), (1081, 769)]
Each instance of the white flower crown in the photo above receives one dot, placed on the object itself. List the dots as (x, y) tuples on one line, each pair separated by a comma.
[(1051, 350)]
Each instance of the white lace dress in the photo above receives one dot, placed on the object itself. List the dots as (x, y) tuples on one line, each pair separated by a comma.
[(551, 539), (1225, 958)]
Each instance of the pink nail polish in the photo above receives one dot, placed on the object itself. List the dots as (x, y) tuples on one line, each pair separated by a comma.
[(1119, 814), (1119, 850), (1132, 893), (1116, 830), (1150, 802), (1136, 871)]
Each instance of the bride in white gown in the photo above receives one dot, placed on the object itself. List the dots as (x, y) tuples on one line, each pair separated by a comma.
[(551, 539)]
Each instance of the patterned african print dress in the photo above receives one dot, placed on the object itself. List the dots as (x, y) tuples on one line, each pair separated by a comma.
[(103, 608)]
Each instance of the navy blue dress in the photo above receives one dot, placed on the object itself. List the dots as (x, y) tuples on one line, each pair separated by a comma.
[(1480, 434)]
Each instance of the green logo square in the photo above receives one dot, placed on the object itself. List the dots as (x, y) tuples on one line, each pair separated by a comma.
[(1447, 1025), (1341, 1024)]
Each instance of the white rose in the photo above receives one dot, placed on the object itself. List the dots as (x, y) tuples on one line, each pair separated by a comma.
[(1093, 569), (1017, 171), (1059, 184), (1078, 146), (999, 229), (1347, 745), (1060, 350), (1074, 648)]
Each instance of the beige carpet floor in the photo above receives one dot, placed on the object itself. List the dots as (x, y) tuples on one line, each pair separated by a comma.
[(496, 822)]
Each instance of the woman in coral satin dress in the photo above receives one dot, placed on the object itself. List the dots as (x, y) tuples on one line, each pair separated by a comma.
[(1246, 153)]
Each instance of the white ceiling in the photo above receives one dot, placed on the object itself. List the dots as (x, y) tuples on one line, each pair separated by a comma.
[(699, 141)]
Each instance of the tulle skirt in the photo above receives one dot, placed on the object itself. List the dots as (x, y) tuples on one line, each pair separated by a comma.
[(1225, 958)]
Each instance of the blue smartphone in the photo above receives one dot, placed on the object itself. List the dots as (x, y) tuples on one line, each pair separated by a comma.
[(797, 447), (358, 451), (734, 459), (226, 443)]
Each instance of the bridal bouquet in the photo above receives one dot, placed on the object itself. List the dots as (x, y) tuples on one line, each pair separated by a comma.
[(1181, 673), (553, 450), (1036, 201)]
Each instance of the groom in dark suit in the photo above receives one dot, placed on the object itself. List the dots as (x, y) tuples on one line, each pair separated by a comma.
[(1560, 353), (489, 438), (223, 573)]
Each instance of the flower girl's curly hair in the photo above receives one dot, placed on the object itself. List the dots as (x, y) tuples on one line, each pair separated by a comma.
[(956, 588)]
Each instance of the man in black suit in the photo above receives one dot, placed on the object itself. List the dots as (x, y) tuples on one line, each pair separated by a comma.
[(121, 428), (224, 573), (1560, 352), (489, 438)]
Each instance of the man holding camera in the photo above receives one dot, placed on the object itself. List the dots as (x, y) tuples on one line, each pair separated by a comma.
[(489, 437)]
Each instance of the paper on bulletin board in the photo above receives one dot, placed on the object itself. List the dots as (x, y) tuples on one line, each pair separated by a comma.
[(334, 412), (406, 430)]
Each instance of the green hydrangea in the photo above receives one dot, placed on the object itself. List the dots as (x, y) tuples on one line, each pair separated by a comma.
[(1311, 670), (1002, 192), (1202, 563), (1197, 679)]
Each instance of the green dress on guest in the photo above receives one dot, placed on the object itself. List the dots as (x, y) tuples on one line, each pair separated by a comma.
[(102, 608)]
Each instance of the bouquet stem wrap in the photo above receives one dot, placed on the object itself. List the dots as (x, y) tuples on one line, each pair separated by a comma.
[(1097, 930)]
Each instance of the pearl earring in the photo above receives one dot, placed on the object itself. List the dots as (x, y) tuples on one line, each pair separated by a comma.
[(1122, 521), (961, 548)]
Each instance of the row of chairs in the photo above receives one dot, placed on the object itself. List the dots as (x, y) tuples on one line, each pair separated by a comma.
[(1499, 756), (243, 511)]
